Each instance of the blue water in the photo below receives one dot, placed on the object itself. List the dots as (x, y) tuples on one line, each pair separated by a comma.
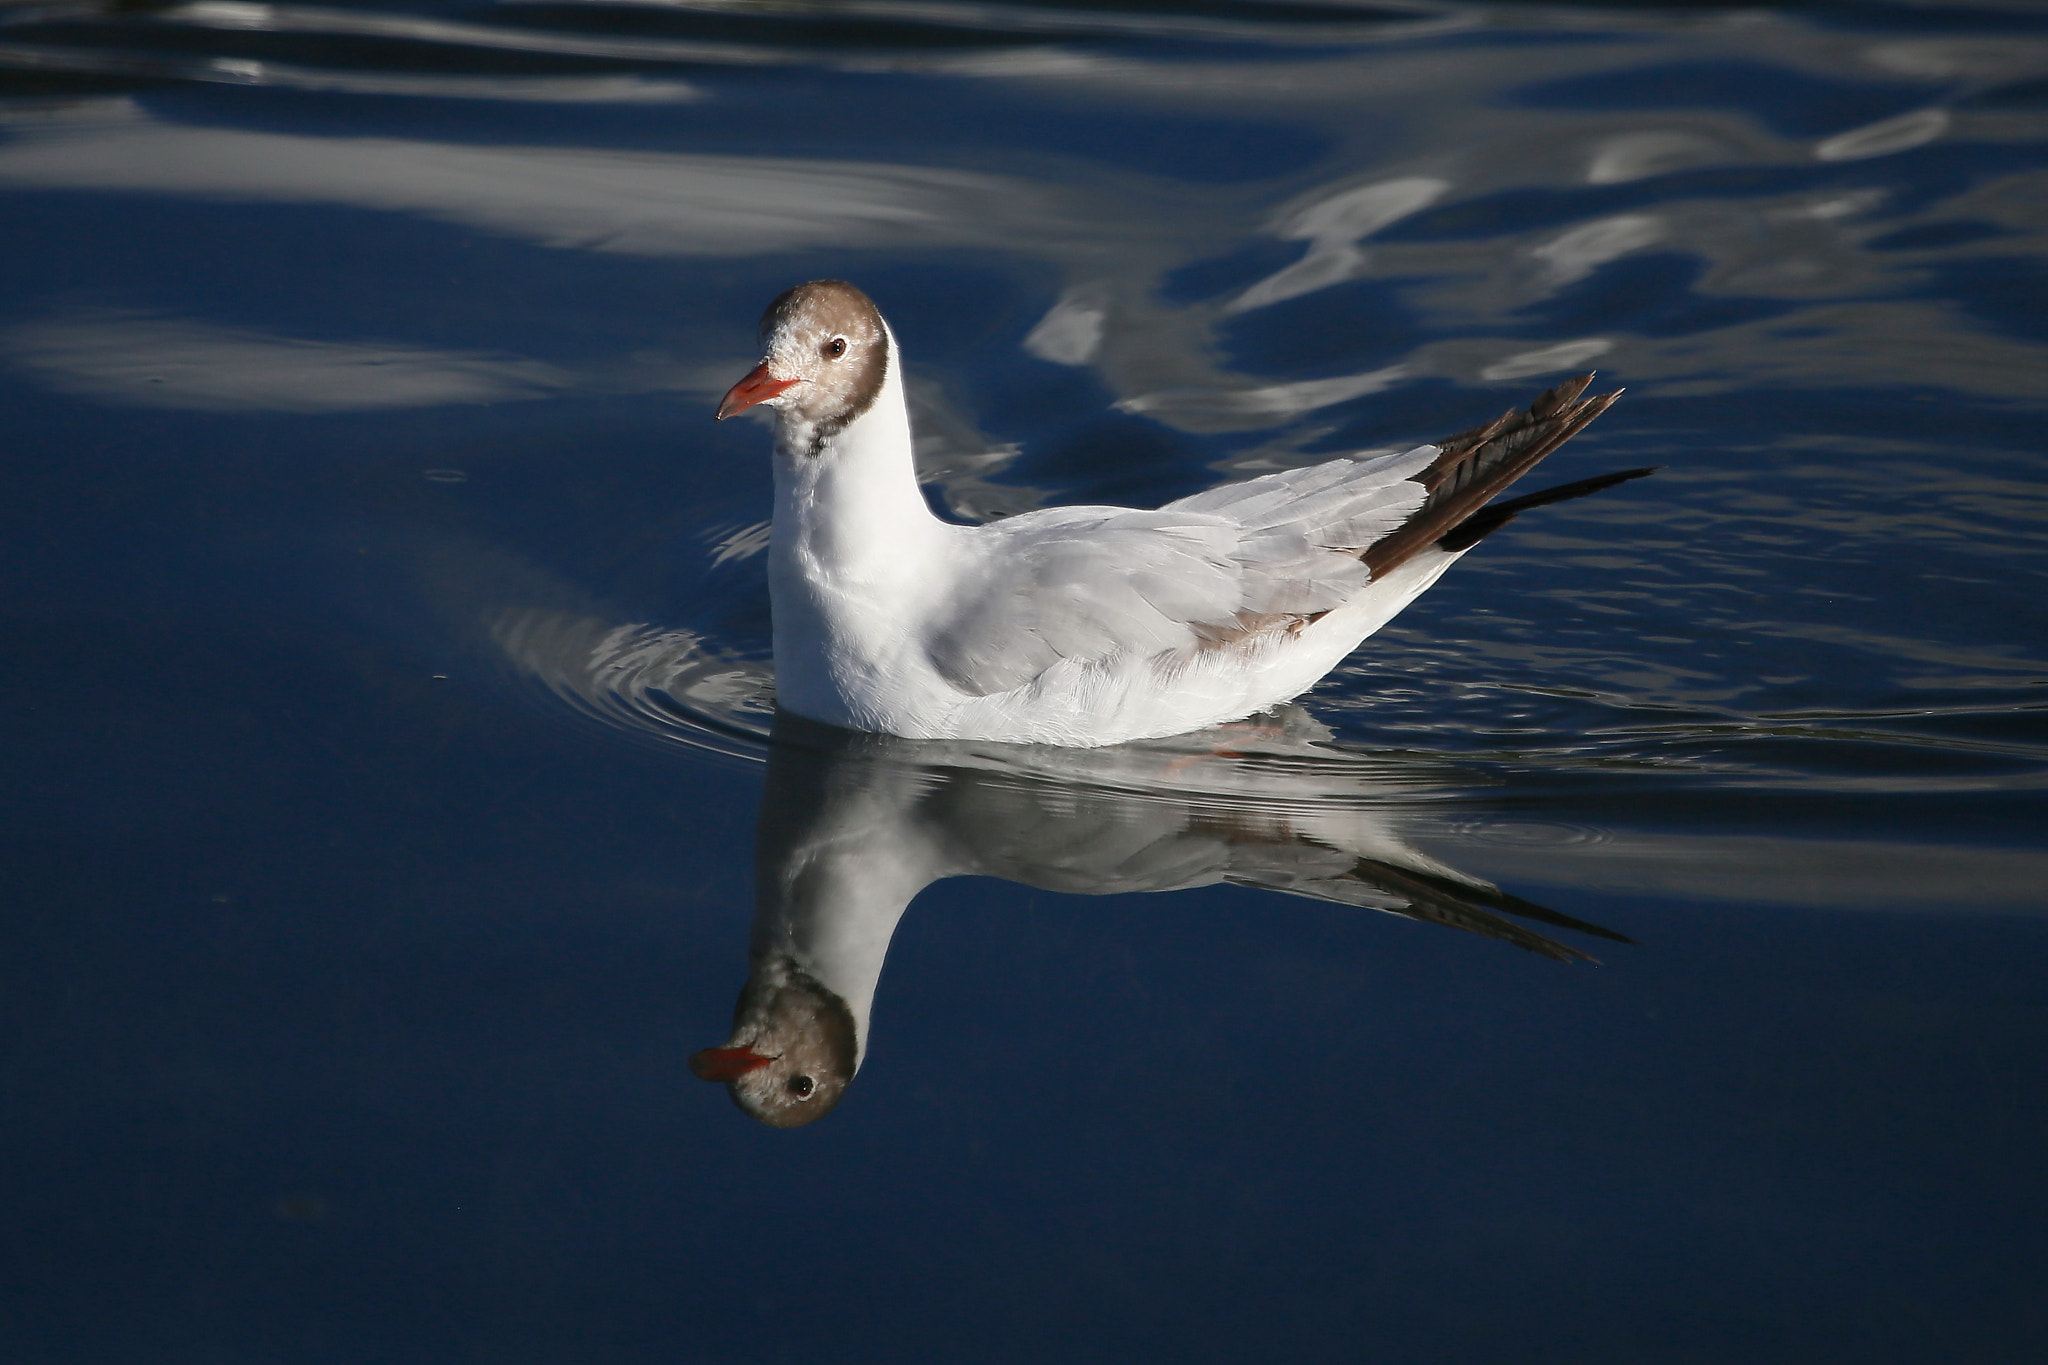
[(390, 710)]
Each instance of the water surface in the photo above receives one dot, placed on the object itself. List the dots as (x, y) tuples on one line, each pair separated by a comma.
[(391, 698)]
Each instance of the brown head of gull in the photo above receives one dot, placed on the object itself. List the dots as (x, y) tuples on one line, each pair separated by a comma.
[(825, 357), (793, 1049)]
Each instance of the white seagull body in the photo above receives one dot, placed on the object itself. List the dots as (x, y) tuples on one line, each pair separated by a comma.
[(1084, 626)]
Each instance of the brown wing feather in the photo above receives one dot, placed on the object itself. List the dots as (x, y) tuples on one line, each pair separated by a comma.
[(1476, 465)]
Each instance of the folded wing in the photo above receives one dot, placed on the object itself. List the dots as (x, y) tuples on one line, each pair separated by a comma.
[(1239, 562), (1088, 583)]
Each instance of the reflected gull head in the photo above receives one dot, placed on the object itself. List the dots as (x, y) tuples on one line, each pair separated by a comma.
[(793, 1049), (853, 827)]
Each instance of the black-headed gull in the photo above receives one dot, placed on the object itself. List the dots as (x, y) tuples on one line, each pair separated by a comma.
[(1086, 626)]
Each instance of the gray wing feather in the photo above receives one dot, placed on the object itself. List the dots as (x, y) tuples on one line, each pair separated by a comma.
[(1087, 583)]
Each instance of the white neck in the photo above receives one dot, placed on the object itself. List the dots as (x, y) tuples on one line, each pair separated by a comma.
[(851, 553), (850, 503), (840, 859)]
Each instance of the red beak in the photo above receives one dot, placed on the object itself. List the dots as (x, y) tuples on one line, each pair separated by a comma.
[(758, 387), (726, 1063)]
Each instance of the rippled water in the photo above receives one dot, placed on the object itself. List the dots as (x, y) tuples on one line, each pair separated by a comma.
[(392, 692)]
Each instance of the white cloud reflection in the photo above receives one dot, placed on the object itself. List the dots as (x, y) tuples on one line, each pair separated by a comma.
[(534, 89), (1885, 137), (1577, 253), (631, 89), (1070, 333), (1333, 227), (367, 23), (1635, 156), (1244, 409), (1111, 236), (1565, 355), (642, 203), (156, 362)]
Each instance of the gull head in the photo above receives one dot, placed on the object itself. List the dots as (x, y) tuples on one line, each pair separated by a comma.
[(793, 1049), (825, 354)]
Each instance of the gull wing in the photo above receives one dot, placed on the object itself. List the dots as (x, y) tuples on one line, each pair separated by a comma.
[(1242, 560), (1094, 583)]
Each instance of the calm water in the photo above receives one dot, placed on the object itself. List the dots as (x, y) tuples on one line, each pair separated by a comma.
[(389, 699)]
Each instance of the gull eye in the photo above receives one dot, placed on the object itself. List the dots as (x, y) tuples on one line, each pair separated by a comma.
[(801, 1087), (835, 348)]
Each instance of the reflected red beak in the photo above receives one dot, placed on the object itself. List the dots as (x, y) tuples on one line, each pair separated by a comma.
[(726, 1063), (758, 387)]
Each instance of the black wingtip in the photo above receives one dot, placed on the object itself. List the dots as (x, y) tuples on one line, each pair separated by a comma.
[(1487, 520), (1477, 465)]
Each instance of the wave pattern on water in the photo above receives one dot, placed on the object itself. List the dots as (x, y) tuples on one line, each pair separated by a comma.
[(1803, 242)]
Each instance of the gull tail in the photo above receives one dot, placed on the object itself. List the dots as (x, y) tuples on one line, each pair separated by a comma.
[(1476, 466)]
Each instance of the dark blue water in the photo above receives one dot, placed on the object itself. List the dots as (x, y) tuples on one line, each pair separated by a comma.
[(388, 700)]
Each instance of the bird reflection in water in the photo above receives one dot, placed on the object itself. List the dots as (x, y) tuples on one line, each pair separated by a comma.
[(853, 826)]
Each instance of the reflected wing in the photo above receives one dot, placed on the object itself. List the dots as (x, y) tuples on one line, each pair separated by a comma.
[(1093, 583), (1454, 902)]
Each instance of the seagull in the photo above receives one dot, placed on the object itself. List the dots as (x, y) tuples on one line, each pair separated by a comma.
[(1087, 626)]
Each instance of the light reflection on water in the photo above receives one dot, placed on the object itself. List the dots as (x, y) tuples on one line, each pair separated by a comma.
[(366, 355), (1559, 203), (1788, 240)]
